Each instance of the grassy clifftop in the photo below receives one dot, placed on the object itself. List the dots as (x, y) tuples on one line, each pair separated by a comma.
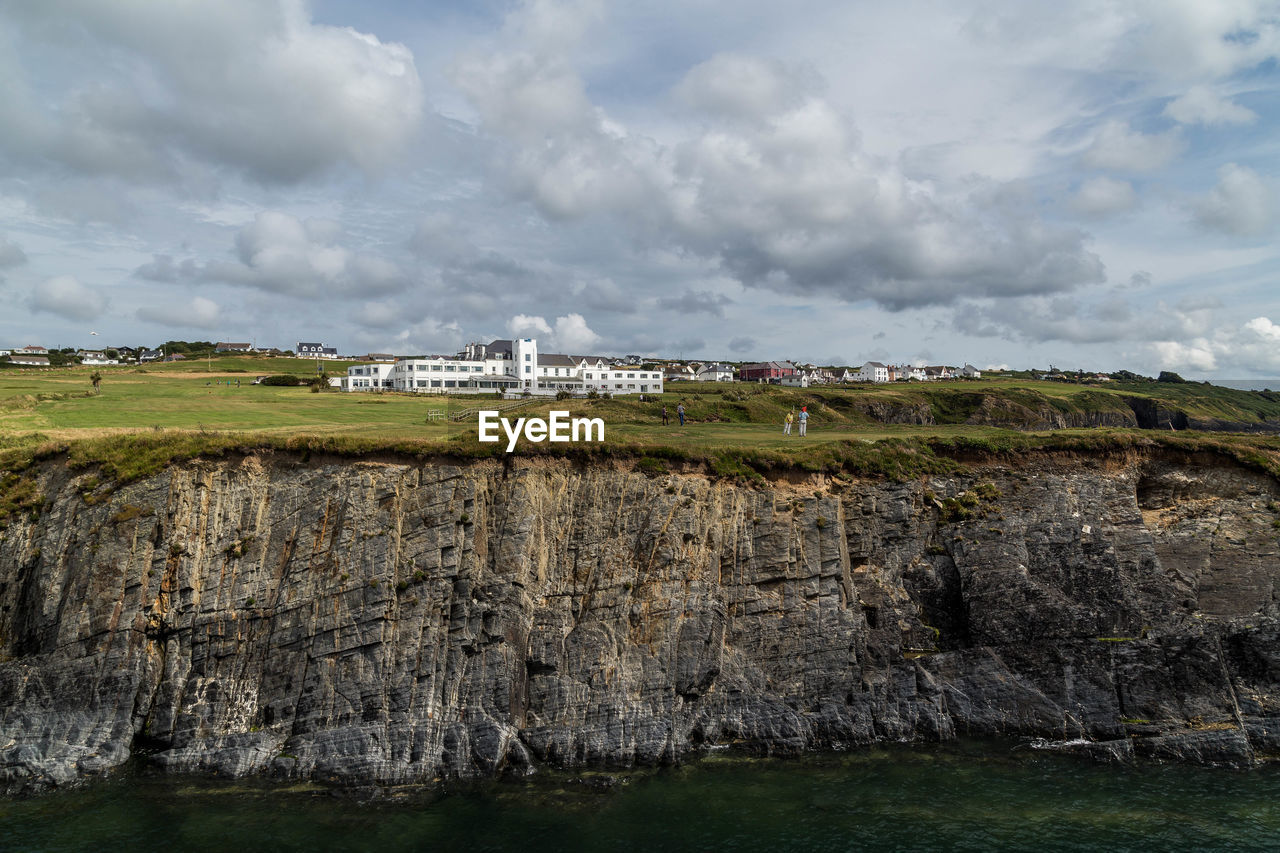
[(142, 419)]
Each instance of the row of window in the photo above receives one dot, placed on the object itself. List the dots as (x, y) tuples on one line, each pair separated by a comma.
[(455, 383), (447, 368)]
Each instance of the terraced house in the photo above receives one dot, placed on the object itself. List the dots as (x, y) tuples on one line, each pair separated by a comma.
[(513, 367)]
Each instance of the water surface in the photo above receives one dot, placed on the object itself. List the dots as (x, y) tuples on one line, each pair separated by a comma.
[(955, 797)]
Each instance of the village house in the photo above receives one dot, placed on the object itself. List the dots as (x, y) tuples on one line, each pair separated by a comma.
[(766, 371), (315, 350), (970, 372), (873, 371), (146, 355), (222, 346), (31, 350), (715, 372), (28, 360), (95, 357)]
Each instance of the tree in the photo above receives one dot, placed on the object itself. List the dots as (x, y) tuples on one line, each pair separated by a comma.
[(1169, 376), (96, 379)]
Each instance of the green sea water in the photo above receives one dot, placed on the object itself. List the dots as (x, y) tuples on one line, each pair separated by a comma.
[(983, 796)]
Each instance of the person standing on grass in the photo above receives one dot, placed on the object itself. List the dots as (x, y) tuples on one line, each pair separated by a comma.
[(680, 413), (804, 419), (665, 420), (786, 424)]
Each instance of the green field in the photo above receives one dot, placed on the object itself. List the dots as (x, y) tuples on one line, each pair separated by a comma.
[(141, 417)]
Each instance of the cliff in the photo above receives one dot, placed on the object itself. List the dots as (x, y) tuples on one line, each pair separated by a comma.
[(386, 622)]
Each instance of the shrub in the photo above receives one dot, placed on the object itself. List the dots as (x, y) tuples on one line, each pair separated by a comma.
[(651, 467), (284, 380)]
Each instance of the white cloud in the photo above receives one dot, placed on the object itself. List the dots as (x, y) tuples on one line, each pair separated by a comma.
[(570, 335), (1251, 348), (573, 336), (1118, 147), (522, 325), (280, 253), (68, 298), (1103, 196), (787, 199), (250, 84), (746, 87), (1240, 204), (199, 313), (1201, 105)]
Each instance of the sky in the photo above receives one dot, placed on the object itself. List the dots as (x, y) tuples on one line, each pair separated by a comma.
[(1009, 183)]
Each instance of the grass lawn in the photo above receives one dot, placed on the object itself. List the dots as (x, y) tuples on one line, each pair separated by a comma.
[(189, 408), (59, 404)]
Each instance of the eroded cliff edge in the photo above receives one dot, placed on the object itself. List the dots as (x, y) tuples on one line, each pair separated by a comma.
[(395, 622)]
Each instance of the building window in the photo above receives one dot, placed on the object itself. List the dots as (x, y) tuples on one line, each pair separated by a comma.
[(449, 383), (526, 356), (435, 383), (527, 369), (448, 368)]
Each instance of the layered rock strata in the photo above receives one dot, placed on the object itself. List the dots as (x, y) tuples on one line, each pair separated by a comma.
[(392, 622)]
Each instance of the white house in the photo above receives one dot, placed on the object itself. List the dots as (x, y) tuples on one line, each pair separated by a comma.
[(873, 371), (370, 376), (970, 372), (94, 357), (513, 367), (796, 380), (715, 373), (29, 360)]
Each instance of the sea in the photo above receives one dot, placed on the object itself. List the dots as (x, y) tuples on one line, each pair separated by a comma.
[(959, 796), (1248, 384)]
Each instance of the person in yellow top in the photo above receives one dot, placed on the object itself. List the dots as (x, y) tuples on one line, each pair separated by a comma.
[(786, 425)]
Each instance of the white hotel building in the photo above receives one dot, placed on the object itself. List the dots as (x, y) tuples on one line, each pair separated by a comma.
[(514, 367)]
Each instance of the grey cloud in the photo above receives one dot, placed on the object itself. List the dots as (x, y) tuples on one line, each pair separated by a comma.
[(1110, 319), (1241, 203), (11, 254), (68, 298), (198, 313), (161, 268), (696, 302), (742, 345)]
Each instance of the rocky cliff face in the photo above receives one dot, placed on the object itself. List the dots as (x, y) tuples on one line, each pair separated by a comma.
[(386, 622)]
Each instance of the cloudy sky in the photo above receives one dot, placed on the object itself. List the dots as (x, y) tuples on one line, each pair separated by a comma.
[(1092, 184)]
